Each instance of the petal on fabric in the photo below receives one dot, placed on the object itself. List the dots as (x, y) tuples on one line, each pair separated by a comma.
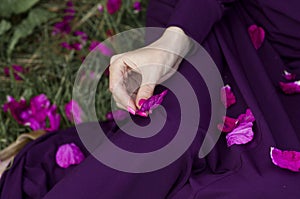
[(153, 102), (257, 35), (228, 125), (240, 135), (247, 117), (291, 87), (289, 76), (117, 115), (227, 96), (113, 6), (286, 159), (69, 154), (74, 112)]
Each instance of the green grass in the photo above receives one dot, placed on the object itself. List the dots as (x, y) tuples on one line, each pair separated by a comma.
[(52, 69)]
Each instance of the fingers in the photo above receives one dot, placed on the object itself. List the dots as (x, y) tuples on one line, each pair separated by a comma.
[(118, 71), (145, 91)]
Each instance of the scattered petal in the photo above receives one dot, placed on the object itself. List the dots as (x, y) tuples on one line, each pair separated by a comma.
[(228, 125), (289, 76), (69, 154), (257, 35), (240, 135), (227, 96), (290, 88), (286, 159), (247, 117)]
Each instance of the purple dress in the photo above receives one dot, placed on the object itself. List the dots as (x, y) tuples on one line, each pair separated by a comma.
[(241, 171)]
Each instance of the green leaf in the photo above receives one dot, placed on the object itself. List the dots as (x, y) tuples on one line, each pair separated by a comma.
[(35, 18), (4, 26), (9, 7)]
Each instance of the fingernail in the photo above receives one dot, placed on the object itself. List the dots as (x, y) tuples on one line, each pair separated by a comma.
[(141, 102), (143, 114), (130, 110)]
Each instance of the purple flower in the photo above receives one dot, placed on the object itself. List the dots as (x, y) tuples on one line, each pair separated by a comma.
[(151, 103), (289, 76), (113, 6), (257, 35), (35, 113), (243, 132), (137, 6), (100, 8), (101, 47), (66, 45), (286, 159), (227, 96), (117, 115), (83, 36), (74, 112), (290, 88), (77, 46), (16, 69), (228, 125), (62, 27), (69, 154)]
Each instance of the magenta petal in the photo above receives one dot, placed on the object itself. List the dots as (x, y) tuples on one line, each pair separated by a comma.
[(17, 109), (137, 6), (247, 117), (54, 119), (16, 69), (240, 135), (290, 88), (286, 159), (289, 76), (69, 154), (257, 35), (39, 106), (74, 112), (113, 6), (117, 115), (153, 102), (228, 124), (227, 96), (34, 124)]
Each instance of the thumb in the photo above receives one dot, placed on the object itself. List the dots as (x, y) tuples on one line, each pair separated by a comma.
[(145, 91)]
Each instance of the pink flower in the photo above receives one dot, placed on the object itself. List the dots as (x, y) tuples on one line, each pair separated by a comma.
[(35, 114), (69, 154), (100, 8), (137, 6), (257, 35), (74, 112), (117, 115), (290, 88), (242, 133), (16, 69), (286, 159), (113, 6), (151, 103), (101, 47), (289, 76), (228, 124), (227, 96)]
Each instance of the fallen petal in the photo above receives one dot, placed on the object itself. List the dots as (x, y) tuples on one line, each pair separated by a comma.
[(257, 35), (286, 159), (228, 125), (69, 154), (289, 76), (240, 135), (227, 96), (290, 88)]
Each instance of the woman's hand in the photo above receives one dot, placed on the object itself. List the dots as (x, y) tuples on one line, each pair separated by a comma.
[(146, 67)]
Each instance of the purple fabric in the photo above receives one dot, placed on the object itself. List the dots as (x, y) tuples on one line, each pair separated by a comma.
[(241, 171)]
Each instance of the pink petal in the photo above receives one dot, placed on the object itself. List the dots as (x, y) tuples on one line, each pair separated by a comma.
[(227, 96), (240, 135), (153, 102), (69, 154), (286, 159), (257, 35), (289, 76), (54, 119), (228, 124), (247, 117), (290, 88)]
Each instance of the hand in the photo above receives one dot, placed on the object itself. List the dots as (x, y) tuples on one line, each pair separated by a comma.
[(146, 67)]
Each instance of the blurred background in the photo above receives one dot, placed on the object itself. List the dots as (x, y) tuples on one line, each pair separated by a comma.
[(43, 44)]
